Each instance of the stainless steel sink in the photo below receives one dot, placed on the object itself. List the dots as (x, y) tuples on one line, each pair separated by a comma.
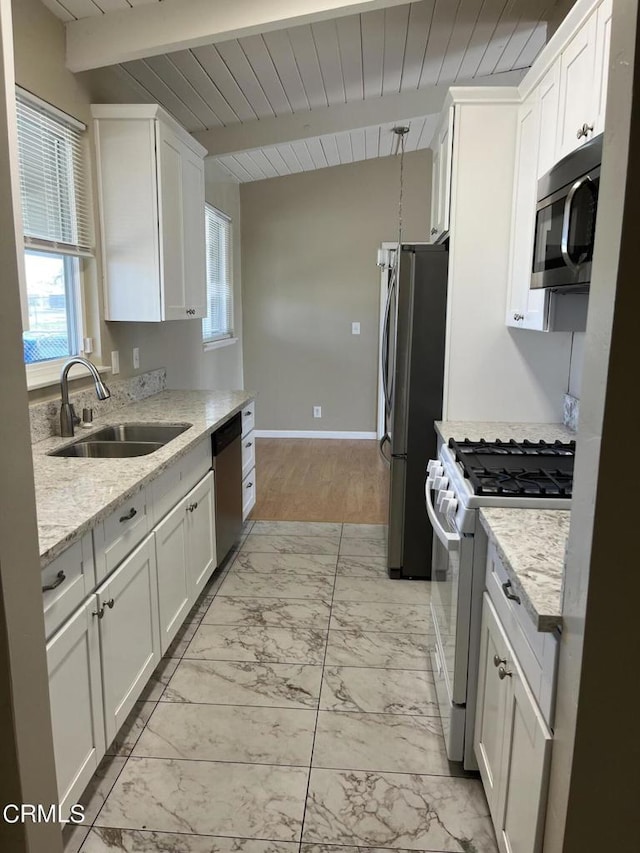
[(108, 449), (160, 433), (120, 441)]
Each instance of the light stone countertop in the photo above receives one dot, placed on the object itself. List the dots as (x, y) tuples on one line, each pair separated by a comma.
[(74, 494), (505, 431), (532, 544)]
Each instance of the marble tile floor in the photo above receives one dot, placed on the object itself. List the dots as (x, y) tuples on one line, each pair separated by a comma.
[(294, 713)]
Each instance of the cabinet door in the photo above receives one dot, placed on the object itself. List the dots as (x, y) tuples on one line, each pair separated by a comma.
[(524, 770), (201, 534), (129, 635), (549, 102), (75, 694), (173, 581), (521, 311), (442, 173), (193, 233), (435, 193), (577, 102), (603, 43), (171, 212), (491, 704)]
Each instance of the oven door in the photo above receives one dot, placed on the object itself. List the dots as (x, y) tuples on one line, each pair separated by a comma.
[(564, 235), (451, 582)]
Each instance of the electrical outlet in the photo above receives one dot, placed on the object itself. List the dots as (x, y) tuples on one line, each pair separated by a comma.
[(115, 362), (317, 411), (136, 358), (355, 328)]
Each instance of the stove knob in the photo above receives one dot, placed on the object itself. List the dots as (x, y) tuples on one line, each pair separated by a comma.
[(434, 467), (443, 496), (440, 483), (449, 507)]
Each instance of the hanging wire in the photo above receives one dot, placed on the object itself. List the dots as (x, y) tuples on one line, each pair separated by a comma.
[(401, 133)]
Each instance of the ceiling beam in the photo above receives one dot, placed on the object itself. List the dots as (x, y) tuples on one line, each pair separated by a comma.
[(156, 28), (340, 117)]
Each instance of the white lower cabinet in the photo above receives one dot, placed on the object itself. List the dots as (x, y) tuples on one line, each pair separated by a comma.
[(75, 692), (201, 535), (129, 634), (512, 742), (173, 579)]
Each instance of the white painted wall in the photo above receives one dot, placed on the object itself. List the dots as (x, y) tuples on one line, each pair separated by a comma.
[(494, 373)]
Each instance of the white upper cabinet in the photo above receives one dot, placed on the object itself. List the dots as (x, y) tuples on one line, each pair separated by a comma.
[(603, 44), (549, 100), (526, 309), (151, 192), (441, 177), (578, 101)]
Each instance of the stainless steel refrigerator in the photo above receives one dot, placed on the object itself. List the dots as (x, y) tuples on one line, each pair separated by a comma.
[(412, 370)]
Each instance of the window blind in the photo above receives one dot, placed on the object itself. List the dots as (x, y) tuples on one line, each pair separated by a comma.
[(219, 320), (54, 186)]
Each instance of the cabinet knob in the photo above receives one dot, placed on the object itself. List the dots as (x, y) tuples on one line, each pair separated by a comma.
[(191, 310), (248, 444), (497, 660), (110, 603), (585, 130), (249, 485), (517, 317), (99, 612), (434, 231), (503, 673), (192, 506)]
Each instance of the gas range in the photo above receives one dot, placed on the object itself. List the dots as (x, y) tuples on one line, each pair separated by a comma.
[(519, 474)]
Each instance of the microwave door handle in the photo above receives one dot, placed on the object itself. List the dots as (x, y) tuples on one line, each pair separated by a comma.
[(450, 541), (566, 223)]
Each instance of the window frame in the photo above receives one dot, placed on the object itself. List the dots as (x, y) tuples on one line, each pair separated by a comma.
[(228, 337), (40, 374)]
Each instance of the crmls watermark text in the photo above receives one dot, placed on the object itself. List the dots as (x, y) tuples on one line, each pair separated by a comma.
[(37, 813)]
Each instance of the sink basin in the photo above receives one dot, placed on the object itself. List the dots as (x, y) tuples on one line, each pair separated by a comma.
[(108, 449), (158, 433)]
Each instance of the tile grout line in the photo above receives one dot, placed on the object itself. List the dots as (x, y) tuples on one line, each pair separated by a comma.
[(315, 729)]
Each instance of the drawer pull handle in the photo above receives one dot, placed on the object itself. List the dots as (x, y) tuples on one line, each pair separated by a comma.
[(497, 660), (503, 673), (192, 507), (99, 612), (506, 586), (133, 511), (248, 444), (60, 578)]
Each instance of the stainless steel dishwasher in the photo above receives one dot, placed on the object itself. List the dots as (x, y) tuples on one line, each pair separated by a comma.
[(227, 464)]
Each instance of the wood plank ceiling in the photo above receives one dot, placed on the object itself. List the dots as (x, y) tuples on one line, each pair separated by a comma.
[(389, 51)]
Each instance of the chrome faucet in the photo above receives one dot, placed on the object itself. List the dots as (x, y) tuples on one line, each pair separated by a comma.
[(68, 417)]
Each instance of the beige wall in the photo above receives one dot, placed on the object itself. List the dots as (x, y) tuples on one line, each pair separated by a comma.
[(39, 61), (309, 269)]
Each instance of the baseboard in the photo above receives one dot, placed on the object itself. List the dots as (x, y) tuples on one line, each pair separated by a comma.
[(311, 433)]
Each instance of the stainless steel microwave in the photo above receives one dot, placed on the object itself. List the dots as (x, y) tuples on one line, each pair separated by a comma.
[(566, 220)]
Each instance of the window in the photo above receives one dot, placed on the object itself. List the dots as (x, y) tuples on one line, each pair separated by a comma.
[(56, 225), (218, 324)]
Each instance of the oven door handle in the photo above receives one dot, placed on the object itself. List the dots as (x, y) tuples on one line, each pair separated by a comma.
[(451, 541), (566, 224)]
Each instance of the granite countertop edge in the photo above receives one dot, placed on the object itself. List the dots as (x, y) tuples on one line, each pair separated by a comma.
[(503, 430), (544, 606), (204, 410)]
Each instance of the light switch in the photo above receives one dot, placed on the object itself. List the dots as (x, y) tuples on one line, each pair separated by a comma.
[(355, 328), (115, 362)]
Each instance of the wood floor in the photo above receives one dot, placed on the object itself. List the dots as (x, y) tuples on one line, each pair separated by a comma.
[(300, 479)]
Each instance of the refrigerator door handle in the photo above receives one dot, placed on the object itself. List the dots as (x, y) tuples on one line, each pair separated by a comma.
[(384, 355), (384, 440)]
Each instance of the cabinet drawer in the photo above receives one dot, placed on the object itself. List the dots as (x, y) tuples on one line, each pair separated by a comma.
[(248, 418), (248, 493), (537, 651), (72, 577), (248, 453), (194, 465), (119, 534)]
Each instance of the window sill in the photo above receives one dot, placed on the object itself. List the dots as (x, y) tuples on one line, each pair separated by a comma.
[(46, 374), (223, 342)]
